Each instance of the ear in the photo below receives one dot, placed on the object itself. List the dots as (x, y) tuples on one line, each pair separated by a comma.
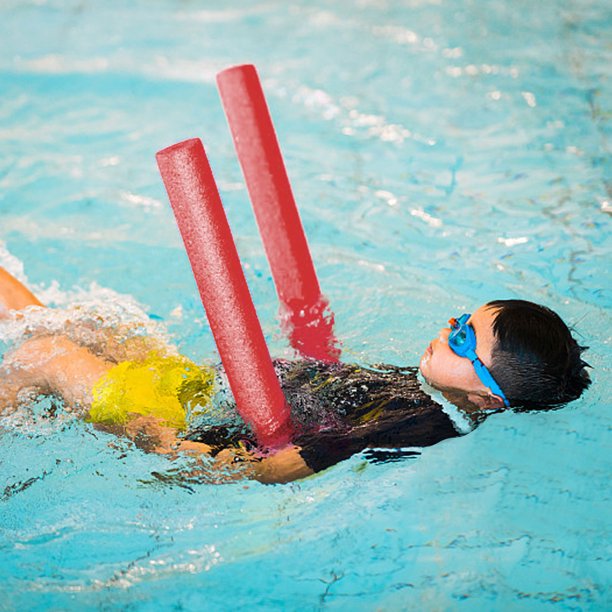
[(496, 403), (487, 401)]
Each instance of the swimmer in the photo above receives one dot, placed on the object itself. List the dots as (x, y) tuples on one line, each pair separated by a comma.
[(507, 355)]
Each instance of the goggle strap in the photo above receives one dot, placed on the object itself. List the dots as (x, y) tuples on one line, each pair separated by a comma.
[(488, 380), (469, 351)]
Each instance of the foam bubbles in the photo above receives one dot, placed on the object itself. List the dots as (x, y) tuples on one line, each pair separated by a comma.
[(112, 325), (11, 264)]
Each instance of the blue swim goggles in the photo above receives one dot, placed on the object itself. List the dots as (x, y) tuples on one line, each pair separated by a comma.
[(462, 341)]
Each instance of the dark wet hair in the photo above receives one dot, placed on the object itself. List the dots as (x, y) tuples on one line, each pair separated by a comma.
[(535, 359)]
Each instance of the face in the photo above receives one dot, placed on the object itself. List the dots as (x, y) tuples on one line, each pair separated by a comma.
[(448, 372)]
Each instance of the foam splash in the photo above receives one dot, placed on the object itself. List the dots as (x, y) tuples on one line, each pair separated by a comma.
[(11, 264), (38, 416), (112, 325)]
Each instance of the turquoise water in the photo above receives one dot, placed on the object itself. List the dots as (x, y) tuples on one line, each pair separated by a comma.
[(443, 153)]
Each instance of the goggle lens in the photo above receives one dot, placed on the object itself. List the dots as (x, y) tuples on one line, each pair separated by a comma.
[(458, 335)]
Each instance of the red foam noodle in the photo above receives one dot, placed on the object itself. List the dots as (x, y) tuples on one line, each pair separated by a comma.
[(305, 309), (225, 295)]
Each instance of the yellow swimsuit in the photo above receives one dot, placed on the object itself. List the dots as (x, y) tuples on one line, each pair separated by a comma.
[(165, 387)]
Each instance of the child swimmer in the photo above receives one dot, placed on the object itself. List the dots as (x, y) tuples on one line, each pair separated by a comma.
[(510, 354)]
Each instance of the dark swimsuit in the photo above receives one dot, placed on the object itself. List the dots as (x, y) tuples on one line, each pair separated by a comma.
[(341, 409)]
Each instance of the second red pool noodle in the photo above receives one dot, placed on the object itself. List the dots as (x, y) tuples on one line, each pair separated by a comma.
[(305, 308), (225, 295)]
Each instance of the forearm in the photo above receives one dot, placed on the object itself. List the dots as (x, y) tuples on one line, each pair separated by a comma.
[(13, 294), (54, 364)]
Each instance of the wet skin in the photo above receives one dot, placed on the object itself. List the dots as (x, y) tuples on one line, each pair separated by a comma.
[(454, 375)]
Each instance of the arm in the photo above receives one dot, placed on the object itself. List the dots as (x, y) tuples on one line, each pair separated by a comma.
[(12, 385), (18, 374), (56, 365), (283, 466), (53, 364), (14, 295)]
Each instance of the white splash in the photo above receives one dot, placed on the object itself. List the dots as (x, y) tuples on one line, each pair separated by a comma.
[(387, 196), (350, 119), (11, 264), (143, 201), (510, 242), (529, 98), (113, 325), (419, 213)]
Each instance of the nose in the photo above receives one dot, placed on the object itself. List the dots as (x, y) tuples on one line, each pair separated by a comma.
[(443, 335)]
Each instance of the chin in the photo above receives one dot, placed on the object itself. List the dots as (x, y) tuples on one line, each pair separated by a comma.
[(424, 370), (424, 365)]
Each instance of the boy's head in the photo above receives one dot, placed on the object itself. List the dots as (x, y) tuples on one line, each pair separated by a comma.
[(526, 348)]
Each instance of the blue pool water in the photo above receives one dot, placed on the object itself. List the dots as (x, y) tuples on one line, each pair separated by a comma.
[(443, 153)]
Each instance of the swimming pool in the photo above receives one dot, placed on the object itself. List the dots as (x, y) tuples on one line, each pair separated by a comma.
[(442, 154)]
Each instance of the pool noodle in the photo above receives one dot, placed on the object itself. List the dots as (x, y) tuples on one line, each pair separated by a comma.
[(311, 323), (223, 288)]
